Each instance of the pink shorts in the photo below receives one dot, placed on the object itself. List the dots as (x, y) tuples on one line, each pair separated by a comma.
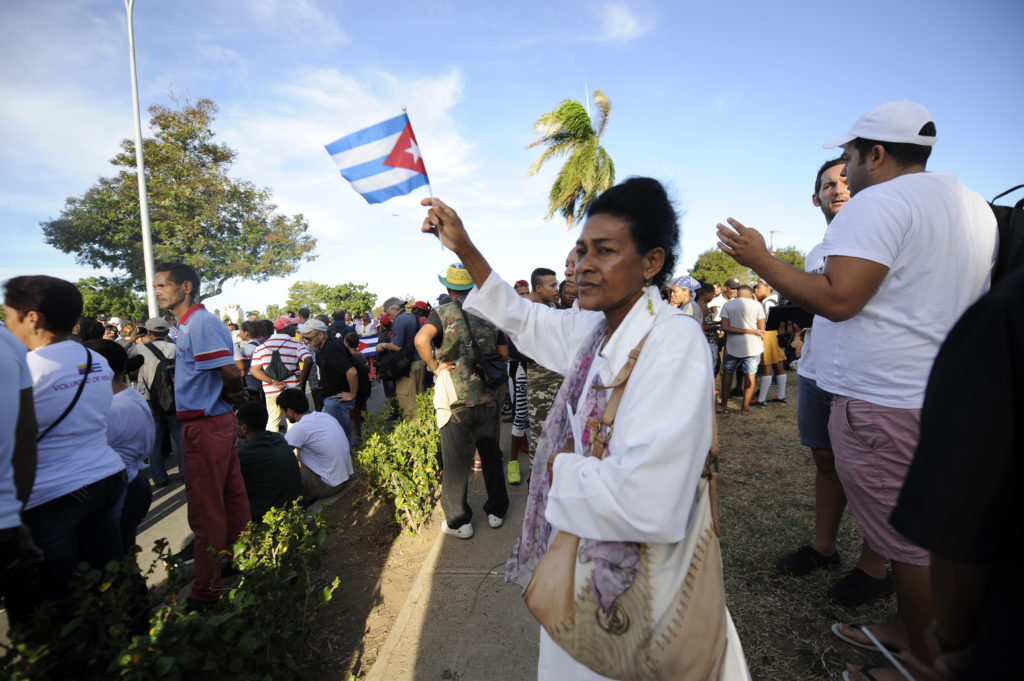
[(874, 446)]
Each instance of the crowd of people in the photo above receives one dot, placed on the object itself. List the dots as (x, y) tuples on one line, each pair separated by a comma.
[(262, 414)]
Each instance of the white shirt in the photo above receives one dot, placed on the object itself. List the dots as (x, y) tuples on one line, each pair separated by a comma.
[(743, 313), (938, 239), (814, 261), (716, 304), (14, 367), (75, 453), (322, 445), (130, 430), (645, 489)]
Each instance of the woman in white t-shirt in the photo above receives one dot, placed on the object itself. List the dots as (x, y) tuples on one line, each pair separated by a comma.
[(130, 432), (74, 509)]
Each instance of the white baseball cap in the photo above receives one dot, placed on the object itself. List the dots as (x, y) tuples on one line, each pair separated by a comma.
[(900, 122)]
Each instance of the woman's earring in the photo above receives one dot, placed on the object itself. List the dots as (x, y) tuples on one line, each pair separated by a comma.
[(650, 301)]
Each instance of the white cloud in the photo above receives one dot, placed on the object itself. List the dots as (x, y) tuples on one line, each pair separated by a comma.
[(619, 24), (302, 18)]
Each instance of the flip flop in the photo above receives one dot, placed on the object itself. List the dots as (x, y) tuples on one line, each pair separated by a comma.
[(892, 650), (865, 671)]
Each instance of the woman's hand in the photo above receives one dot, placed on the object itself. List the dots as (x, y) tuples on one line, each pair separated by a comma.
[(568, 448), (446, 225)]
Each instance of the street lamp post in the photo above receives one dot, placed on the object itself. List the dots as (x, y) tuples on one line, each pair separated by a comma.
[(140, 166)]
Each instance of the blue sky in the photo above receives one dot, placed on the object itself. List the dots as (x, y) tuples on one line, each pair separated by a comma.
[(726, 102)]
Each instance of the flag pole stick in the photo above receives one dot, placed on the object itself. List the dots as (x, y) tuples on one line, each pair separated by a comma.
[(430, 190)]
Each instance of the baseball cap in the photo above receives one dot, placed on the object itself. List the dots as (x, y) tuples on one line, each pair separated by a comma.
[(901, 122), (156, 325), (456, 278), (732, 283), (420, 305), (385, 320), (115, 321), (282, 322), (522, 282), (312, 325), (394, 301)]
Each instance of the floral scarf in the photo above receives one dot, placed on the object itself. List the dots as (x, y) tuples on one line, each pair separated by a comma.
[(616, 563)]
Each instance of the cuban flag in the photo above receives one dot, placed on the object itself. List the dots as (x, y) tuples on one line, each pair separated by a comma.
[(368, 345), (381, 161)]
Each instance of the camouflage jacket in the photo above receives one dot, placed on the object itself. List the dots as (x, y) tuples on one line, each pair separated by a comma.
[(456, 347)]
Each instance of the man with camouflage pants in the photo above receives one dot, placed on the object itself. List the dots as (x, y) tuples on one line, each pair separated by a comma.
[(474, 423)]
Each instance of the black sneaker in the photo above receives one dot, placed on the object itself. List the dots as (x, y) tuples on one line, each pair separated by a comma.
[(188, 554), (805, 560), (779, 400), (860, 588)]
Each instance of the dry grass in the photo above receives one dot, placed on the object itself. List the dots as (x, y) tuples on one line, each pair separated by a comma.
[(766, 502)]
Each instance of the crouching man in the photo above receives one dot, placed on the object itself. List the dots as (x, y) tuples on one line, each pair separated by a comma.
[(320, 444)]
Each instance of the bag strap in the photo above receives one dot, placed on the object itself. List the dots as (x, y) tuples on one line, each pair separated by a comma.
[(74, 400), (472, 339), (1008, 191), (618, 387), (156, 351)]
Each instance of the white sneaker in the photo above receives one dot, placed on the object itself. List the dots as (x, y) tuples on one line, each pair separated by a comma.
[(463, 532), (494, 521)]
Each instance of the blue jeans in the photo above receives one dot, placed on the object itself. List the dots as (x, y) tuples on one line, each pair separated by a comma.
[(342, 412), (164, 422), (84, 525)]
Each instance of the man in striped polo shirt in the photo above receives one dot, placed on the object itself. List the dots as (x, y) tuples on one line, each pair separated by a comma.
[(297, 363), (206, 383)]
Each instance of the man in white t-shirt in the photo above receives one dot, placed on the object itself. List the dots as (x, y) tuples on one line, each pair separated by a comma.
[(884, 304), (321, 445), (725, 293), (743, 323)]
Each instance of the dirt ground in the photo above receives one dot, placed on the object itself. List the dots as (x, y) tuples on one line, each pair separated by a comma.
[(377, 563)]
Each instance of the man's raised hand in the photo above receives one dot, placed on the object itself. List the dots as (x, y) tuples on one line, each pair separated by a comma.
[(745, 245)]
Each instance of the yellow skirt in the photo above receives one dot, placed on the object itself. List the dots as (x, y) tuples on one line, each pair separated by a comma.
[(773, 354)]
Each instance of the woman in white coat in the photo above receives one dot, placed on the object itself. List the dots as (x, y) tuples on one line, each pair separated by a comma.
[(644, 488)]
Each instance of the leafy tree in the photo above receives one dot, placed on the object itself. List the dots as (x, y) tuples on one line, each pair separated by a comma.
[(111, 296), (224, 227), (569, 131), (714, 266), (791, 254), (320, 298), (273, 312)]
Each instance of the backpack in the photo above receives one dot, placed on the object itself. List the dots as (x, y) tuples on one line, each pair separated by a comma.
[(161, 390), (1010, 220), (276, 369)]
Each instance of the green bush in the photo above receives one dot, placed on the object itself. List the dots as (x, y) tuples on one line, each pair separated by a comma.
[(258, 630), (404, 464)]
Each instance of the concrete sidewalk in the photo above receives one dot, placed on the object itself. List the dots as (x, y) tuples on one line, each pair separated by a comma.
[(461, 620)]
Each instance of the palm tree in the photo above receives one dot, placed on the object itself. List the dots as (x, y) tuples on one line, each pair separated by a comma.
[(569, 131)]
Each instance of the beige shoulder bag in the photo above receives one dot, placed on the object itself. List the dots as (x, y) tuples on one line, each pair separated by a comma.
[(671, 624)]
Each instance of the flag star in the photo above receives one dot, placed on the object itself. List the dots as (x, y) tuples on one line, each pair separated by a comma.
[(414, 151)]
